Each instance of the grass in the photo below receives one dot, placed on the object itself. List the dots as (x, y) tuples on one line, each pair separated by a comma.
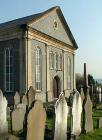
[(95, 135)]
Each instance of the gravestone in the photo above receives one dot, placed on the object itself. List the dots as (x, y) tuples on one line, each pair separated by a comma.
[(100, 96), (3, 114), (17, 119), (88, 113), (61, 114), (76, 113), (31, 96), (24, 100), (16, 98), (36, 121), (8, 112), (100, 122), (22, 106), (82, 94)]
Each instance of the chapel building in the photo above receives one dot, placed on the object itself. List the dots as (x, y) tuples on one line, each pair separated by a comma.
[(38, 51)]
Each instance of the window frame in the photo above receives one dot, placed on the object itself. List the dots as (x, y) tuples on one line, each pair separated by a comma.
[(69, 74), (8, 70), (38, 69)]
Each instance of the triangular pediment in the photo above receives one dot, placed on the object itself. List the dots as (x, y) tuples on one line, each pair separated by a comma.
[(53, 24)]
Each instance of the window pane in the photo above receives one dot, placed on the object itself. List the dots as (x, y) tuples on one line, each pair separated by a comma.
[(38, 69), (9, 70)]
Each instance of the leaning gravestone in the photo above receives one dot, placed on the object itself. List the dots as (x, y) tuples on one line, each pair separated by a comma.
[(76, 113), (36, 121), (100, 122), (16, 98), (61, 114), (88, 113), (17, 119), (3, 114), (31, 96)]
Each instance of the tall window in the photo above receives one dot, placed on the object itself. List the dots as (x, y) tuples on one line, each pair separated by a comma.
[(60, 62), (9, 81), (56, 61), (69, 73), (38, 68), (51, 59)]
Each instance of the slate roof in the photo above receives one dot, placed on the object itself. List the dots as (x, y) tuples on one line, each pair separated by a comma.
[(28, 19)]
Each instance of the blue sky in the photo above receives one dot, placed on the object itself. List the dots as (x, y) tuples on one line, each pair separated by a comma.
[(84, 18)]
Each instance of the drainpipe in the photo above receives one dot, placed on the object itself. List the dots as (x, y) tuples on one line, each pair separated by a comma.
[(46, 75), (63, 69)]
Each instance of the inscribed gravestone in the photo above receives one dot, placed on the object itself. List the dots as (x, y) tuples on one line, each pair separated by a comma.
[(3, 114), (31, 96), (17, 119), (61, 114), (36, 120), (76, 112), (16, 98), (88, 113)]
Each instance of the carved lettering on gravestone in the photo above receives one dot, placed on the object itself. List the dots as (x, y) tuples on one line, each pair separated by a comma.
[(17, 119), (88, 114), (36, 121), (31, 96), (16, 98), (76, 112), (61, 114), (3, 114), (24, 100)]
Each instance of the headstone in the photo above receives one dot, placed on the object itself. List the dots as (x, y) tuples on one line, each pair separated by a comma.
[(61, 114), (3, 114), (8, 112), (36, 121), (16, 98), (31, 96), (24, 100), (22, 106), (100, 122), (88, 114), (17, 119), (82, 94), (100, 96), (76, 113)]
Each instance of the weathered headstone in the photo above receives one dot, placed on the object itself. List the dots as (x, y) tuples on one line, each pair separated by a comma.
[(8, 112), (76, 113), (24, 100), (36, 120), (100, 96), (31, 96), (61, 114), (88, 113), (22, 106), (3, 114), (100, 122), (82, 94), (17, 119), (16, 98)]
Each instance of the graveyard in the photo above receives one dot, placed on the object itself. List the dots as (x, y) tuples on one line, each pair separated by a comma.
[(62, 119)]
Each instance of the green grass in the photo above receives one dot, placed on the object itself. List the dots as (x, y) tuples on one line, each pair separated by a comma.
[(95, 135)]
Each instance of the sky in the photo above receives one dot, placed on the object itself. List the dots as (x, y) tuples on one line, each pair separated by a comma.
[(84, 18)]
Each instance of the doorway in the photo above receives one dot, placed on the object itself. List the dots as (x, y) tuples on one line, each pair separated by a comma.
[(56, 87)]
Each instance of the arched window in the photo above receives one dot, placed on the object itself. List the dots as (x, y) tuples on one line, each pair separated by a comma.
[(56, 61), (38, 69), (8, 64), (69, 73), (51, 60)]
